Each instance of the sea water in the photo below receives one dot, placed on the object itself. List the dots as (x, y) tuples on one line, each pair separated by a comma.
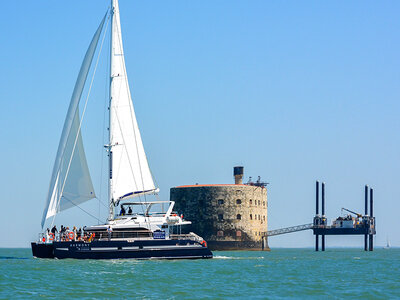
[(280, 273)]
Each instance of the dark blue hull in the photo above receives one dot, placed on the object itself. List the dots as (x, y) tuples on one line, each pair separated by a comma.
[(139, 249)]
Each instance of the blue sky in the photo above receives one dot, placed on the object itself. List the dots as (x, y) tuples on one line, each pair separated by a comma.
[(293, 91)]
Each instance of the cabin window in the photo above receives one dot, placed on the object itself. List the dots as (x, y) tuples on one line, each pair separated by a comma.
[(220, 233), (220, 217), (220, 201), (238, 201), (251, 217), (239, 216)]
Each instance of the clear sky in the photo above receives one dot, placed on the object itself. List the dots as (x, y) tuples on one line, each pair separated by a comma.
[(294, 91)]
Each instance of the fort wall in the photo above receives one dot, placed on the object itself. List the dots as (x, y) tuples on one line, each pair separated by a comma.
[(227, 216)]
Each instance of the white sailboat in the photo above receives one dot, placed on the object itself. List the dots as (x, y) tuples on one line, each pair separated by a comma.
[(137, 233), (387, 244)]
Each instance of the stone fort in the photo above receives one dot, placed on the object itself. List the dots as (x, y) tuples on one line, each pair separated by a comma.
[(227, 216)]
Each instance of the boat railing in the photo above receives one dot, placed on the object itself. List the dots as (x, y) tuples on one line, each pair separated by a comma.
[(91, 236), (48, 238), (122, 235)]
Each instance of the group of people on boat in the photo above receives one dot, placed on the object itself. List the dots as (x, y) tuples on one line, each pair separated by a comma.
[(65, 234), (123, 211)]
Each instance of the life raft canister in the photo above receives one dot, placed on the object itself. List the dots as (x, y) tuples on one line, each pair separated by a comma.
[(51, 236), (43, 239), (71, 235), (204, 243)]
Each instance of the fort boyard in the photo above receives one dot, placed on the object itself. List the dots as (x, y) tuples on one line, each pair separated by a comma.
[(227, 216)]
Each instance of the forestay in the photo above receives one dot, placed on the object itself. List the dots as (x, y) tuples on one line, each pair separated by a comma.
[(70, 183), (130, 174)]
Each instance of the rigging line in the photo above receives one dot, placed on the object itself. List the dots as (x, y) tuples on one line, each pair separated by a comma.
[(132, 116), (80, 123), (101, 201), (104, 121), (83, 210)]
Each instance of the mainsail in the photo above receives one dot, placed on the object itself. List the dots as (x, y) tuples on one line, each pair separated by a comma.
[(129, 172), (70, 182)]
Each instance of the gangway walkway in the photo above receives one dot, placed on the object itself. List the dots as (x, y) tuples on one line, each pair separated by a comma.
[(289, 229)]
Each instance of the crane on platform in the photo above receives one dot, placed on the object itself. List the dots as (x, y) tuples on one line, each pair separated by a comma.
[(352, 212)]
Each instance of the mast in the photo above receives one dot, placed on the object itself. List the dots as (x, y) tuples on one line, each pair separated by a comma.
[(109, 147)]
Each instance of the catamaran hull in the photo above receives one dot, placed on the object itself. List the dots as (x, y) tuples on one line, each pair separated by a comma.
[(156, 249), (42, 250)]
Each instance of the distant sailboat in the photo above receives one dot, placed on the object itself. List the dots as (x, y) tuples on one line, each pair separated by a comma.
[(387, 244), (138, 233)]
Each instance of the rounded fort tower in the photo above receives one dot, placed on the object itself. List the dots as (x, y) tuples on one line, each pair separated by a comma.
[(227, 216)]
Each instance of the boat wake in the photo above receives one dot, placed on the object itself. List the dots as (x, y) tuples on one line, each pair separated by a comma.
[(232, 257)]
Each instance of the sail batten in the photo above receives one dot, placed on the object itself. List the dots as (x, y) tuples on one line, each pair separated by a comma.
[(130, 169), (70, 183)]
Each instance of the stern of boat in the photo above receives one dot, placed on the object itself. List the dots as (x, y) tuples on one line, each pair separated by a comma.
[(42, 250)]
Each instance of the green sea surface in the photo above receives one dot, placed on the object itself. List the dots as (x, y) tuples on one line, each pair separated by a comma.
[(278, 274)]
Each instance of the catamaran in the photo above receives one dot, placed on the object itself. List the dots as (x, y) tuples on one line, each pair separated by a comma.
[(137, 230)]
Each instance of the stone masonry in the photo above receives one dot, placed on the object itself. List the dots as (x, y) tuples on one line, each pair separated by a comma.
[(227, 216)]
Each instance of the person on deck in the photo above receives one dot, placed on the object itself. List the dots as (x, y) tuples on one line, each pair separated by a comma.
[(62, 232), (122, 212), (47, 235), (67, 231), (75, 231), (54, 231), (109, 231), (130, 210)]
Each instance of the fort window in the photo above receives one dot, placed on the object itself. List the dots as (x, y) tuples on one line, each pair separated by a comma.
[(259, 203), (220, 233), (251, 202), (220, 201), (264, 203), (259, 218), (264, 218), (238, 201), (239, 216), (251, 217), (220, 217)]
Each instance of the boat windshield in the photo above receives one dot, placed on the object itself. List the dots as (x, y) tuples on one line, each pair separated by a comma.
[(155, 209)]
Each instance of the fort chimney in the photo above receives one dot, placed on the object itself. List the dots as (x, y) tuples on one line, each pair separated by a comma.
[(238, 173)]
